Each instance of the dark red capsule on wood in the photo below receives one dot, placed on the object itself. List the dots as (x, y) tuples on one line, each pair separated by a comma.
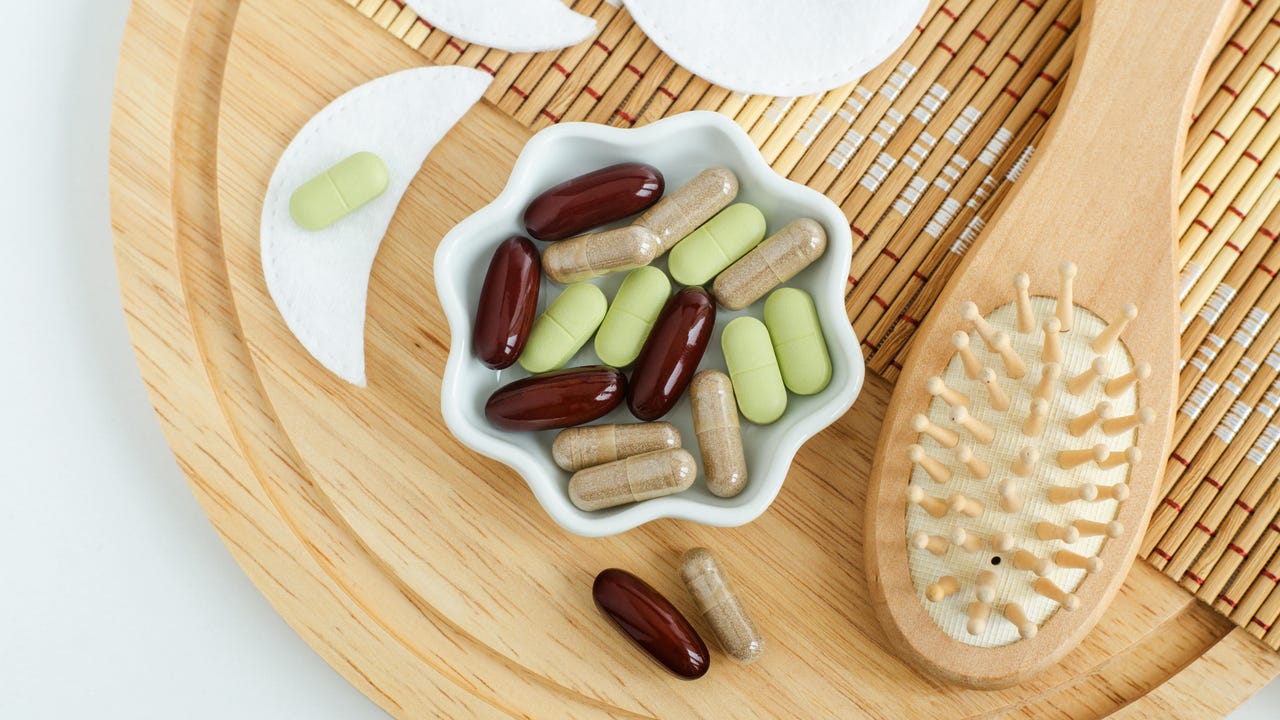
[(557, 399), (592, 200), (508, 303), (651, 622), (671, 353)]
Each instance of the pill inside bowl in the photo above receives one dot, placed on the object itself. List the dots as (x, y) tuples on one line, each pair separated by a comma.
[(649, 341)]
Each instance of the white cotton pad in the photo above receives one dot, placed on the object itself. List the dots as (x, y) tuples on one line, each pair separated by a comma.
[(319, 279), (511, 25), (773, 47)]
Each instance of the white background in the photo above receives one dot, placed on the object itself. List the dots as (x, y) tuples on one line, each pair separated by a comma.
[(117, 600)]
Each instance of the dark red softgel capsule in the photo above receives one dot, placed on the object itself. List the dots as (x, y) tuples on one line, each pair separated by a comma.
[(671, 353), (508, 303), (651, 622), (592, 200), (557, 399)]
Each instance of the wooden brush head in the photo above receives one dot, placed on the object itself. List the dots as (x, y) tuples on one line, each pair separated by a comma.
[(1100, 193)]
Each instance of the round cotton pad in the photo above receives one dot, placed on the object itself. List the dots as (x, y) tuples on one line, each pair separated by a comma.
[(511, 25), (797, 47)]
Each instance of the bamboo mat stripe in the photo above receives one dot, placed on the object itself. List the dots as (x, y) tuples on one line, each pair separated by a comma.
[(922, 150)]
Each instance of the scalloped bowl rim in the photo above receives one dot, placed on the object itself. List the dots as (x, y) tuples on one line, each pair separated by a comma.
[(549, 490)]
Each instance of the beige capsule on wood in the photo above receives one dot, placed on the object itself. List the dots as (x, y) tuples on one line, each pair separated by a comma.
[(582, 447), (596, 254), (715, 422), (683, 211), (633, 479), (776, 260), (721, 606)]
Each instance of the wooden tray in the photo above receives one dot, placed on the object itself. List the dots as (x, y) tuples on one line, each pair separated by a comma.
[(426, 574)]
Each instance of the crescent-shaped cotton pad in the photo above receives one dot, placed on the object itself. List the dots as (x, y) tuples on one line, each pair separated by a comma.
[(319, 279), (778, 47), (511, 25)]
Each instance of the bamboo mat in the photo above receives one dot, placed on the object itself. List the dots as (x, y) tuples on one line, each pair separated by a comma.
[(922, 150)]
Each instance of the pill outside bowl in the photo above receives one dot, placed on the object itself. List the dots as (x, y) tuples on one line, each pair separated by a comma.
[(680, 146)]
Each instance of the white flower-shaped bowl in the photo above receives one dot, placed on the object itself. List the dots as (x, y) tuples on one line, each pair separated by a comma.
[(680, 146)]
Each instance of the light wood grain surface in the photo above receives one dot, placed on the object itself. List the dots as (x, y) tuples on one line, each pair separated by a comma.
[(424, 573)]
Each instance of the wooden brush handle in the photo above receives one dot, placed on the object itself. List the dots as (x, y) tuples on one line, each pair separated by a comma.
[(1135, 58)]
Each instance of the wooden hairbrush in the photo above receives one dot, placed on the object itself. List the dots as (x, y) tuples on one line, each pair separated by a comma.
[(1022, 450)]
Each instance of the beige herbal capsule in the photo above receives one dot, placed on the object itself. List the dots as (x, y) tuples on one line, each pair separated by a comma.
[(776, 260), (684, 210), (633, 479), (596, 254), (715, 422), (582, 447), (720, 606)]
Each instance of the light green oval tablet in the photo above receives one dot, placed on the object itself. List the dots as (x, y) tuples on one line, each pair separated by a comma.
[(798, 342), (703, 253), (757, 382), (564, 328), (631, 316), (339, 191)]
